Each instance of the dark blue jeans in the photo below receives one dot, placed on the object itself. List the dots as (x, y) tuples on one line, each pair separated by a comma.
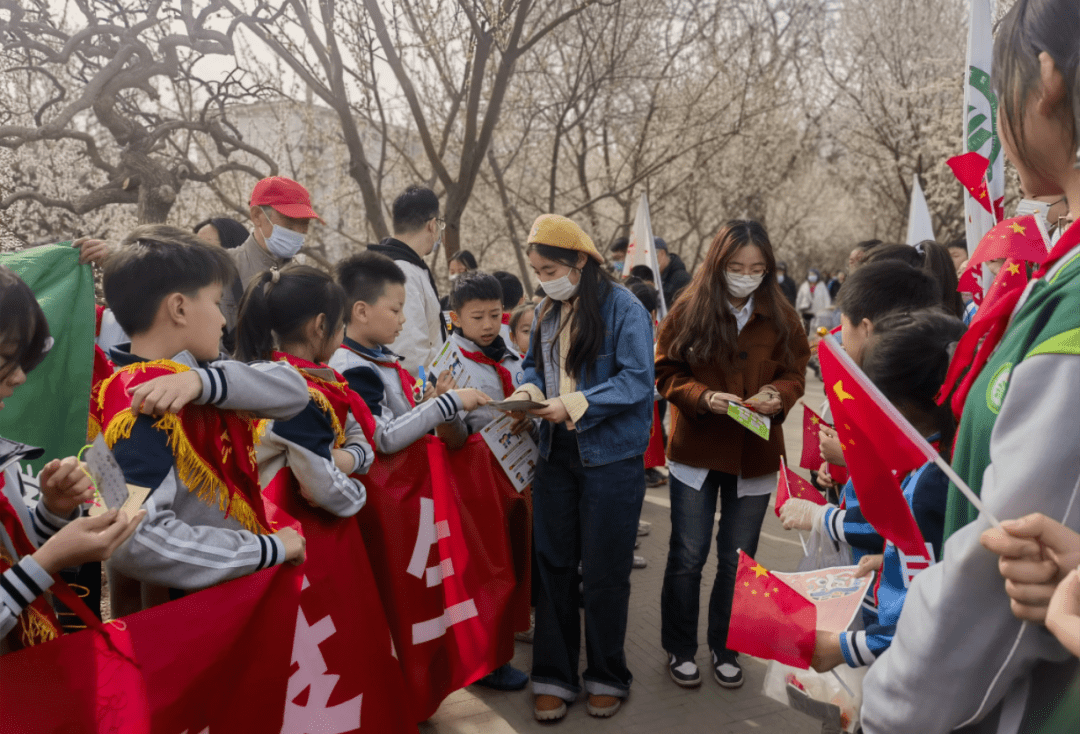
[(586, 514), (692, 514)]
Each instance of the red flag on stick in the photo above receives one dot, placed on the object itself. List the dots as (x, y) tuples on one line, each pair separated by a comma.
[(769, 619), (1019, 238), (791, 485), (811, 442), (879, 444), (970, 170)]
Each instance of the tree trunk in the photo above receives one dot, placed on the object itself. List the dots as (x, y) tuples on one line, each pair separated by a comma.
[(511, 226)]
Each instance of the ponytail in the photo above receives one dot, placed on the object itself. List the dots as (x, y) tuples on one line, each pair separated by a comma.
[(280, 303)]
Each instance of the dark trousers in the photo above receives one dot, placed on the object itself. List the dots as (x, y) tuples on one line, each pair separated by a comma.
[(586, 514), (692, 514)]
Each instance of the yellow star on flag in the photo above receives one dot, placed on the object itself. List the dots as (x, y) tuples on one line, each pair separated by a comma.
[(815, 420), (1014, 269), (760, 570), (838, 389), (1017, 227)]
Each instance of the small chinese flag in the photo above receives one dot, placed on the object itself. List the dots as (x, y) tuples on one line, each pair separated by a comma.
[(984, 332), (1019, 238), (811, 442), (791, 485), (970, 171), (879, 446), (969, 283), (769, 619)]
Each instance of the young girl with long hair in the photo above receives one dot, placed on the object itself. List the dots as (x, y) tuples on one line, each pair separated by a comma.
[(731, 337), (590, 363), (297, 315)]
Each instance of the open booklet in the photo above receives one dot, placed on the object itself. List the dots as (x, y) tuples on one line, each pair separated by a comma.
[(516, 454)]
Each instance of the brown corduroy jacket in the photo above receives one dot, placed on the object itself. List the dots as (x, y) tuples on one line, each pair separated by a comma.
[(708, 440)]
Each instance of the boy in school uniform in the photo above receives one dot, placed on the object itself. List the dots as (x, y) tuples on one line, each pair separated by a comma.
[(375, 299), (171, 416)]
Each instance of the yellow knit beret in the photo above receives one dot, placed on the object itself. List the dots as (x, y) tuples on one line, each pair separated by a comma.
[(558, 231)]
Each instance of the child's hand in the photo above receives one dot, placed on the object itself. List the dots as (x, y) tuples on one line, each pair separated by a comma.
[(446, 384), (168, 394), (827, 654), (64, 486), (869, 563), (1063, 614), (522, 422), (825, 481), (1036, 554), (471, 398), (87, 539), (831, 450), (295, 545), (91, 251)]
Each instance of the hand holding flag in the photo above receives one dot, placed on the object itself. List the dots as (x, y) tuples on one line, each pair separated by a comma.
[(769, 619), (790, 485)]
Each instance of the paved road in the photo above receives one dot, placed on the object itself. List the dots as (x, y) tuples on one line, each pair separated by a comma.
[(656, 705)]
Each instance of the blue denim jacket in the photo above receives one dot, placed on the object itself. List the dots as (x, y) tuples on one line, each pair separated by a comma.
[(619, 387)]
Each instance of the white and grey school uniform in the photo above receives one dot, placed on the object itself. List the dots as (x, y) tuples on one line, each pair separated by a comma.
[(185, 543), (304, 444), (26, 580), (374, 376), (486, 378)]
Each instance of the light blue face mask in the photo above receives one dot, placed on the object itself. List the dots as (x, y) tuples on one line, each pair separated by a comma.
[(284, 243), (618, 265)]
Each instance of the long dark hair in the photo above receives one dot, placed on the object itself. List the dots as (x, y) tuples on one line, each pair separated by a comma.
[(281, 303), (703, 328), (587, 328), (907, 357), (932, 258), (22, 323)]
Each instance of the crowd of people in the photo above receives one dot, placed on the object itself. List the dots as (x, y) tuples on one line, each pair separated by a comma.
[(220, 326)]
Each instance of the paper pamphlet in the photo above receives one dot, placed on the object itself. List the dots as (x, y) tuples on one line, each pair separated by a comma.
[(835, 592), (112, 490), (754, 422), (515, 405), (516, 454), (450, 358)]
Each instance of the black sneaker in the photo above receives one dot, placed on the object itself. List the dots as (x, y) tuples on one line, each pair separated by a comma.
[(684, 671), (726, 669), (654, 478)]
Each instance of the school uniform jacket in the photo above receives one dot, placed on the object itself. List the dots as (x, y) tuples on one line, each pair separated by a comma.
[(486, 379), (185, 543), (371, 374)]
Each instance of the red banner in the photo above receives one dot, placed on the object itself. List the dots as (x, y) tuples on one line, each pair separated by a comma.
[(654, 454), (448, 541), (345, 675), (216, 659)]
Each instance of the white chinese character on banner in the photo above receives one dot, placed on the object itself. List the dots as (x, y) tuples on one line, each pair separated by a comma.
[(428, 534), (315, 716)]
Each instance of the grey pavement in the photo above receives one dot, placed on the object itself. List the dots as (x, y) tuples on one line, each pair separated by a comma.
[(655, 704)]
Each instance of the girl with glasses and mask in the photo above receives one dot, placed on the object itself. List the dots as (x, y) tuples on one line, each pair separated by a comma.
[(590, 361), (731, 337)]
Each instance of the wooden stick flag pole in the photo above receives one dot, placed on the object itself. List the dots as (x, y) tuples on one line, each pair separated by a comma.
[(966, 490)]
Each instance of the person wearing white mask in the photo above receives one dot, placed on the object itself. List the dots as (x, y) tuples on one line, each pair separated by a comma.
[(813, 298), (281, 213), (731, 337)]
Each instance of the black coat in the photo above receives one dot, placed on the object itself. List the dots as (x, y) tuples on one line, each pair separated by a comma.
[(674, 279), (789, 289)]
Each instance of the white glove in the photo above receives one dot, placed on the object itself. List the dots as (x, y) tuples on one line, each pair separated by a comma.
[(799, 514)]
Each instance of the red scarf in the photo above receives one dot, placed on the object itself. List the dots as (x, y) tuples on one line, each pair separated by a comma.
[(214, 449), (992, 321), (506, 318), (37, 622), (505, 377), (335, 397), (408, 382)]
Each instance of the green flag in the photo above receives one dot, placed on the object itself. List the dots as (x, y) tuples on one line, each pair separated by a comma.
[(52, 408)]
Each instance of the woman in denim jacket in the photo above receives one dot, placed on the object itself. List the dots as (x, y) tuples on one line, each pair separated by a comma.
[(590, 360)]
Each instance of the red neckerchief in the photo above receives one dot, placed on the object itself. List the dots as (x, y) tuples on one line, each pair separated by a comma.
[(408, 382), (992, 321), (505, 377), (506, 319), (37, 622), (340, 400)]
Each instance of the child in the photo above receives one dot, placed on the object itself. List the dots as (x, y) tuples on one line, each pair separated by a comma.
[(476, 310), (34, 546), (590, 362), (521, 321), (375, 296), (304, 309), (205, 521), (907, 358), (513, 295)]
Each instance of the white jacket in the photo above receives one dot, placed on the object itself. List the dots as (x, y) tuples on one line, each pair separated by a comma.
[(815, 302), (422, 335)]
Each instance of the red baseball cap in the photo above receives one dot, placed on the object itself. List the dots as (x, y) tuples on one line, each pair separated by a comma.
[(285, 196)]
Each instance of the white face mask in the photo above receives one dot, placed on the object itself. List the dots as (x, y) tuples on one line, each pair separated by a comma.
[(741, 286), (284, 243), (812, 278), (560, 289), (454, 276)]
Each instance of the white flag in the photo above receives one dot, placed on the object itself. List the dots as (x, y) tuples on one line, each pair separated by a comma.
[(642, 251), (980, 120), (919, 225)]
